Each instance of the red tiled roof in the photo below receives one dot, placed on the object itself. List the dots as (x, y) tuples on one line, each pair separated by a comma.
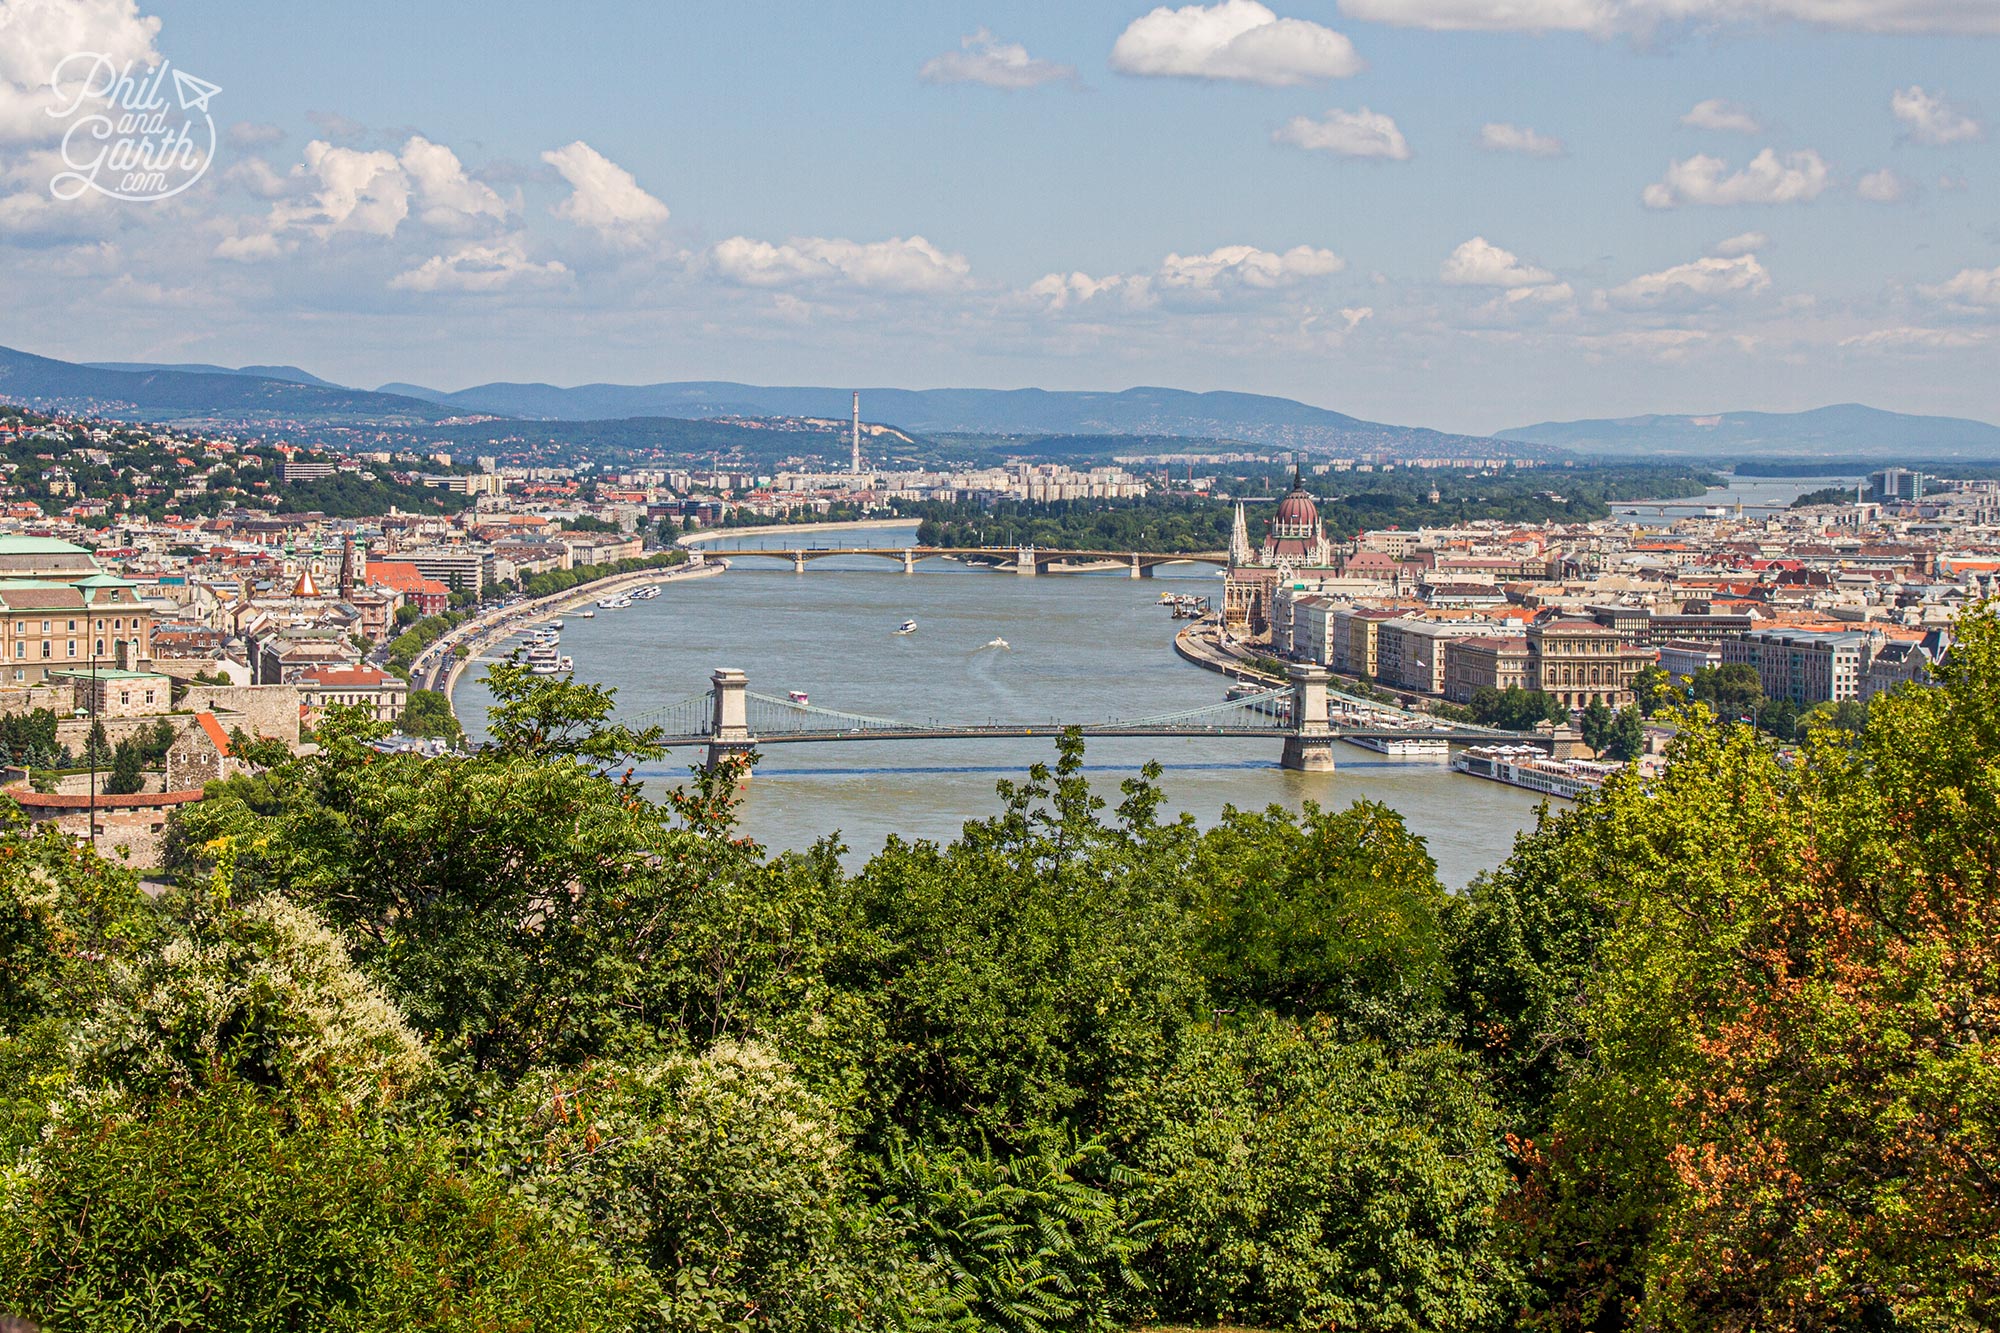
[(216, 735), (343, 678), (35, 800)]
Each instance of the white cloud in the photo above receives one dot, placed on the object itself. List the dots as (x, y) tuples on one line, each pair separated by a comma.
[(897, 264), (985, 59), (1229, 270), (1604, 17), (1970, 286), (1748, 243), (1767, 179), (1700, 283), (479, 268), (1882, 187), (363, 192), (1362, 133), (1480, 263), (255, 175), (1498, 137), (1930, 119), (36, 36), (1062, 290), (1716, 114), (604, 197), (1235, 39), (452, 200), (1908, 338), (1248, 266)]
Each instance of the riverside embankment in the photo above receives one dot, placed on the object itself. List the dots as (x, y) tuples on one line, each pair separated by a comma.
[(442, 662)]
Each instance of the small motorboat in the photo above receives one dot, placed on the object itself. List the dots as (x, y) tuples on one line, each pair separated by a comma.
[(997, 643), (907, 627), (589, 613), (567, 664), (556, 625), (1166, 599), (798, 698)]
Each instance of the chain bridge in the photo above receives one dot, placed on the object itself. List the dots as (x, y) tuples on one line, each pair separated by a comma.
[(1306, 715)]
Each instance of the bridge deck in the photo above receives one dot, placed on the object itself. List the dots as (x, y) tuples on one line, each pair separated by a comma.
[(1022, 732)]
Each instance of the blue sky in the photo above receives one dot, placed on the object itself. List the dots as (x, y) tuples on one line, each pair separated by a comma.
[(1461, 213)]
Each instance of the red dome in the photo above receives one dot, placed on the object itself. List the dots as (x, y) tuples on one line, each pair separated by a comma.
[(1298, 509), (1298, 516)]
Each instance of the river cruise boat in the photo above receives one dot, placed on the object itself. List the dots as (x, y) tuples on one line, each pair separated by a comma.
[(798, 698), (1530, 768), (1403, 747), (647, 593)]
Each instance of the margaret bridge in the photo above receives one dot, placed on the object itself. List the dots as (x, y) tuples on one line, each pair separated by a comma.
[(730, 719), (1026, 560)]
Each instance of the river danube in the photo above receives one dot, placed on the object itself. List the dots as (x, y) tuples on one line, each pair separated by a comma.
[(1079, 647)]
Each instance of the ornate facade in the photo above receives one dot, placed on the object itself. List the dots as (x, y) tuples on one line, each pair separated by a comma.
[(1294, 544)]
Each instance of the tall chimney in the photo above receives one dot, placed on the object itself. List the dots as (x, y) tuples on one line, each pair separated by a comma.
[(856, 469)]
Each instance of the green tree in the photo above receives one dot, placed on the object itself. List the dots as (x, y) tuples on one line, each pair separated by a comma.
[(1732, 691), (547, 717), (1014, 975), (1626, 740), (1514, 708), (1597, 725), (96, 746), (230, 1210), (1783, 1113), (1298, 1179), (127, 776), (429, 713), (1653, 688), (1332, 913)]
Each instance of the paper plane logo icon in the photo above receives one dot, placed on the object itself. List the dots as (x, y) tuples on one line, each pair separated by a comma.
[(194, 93)]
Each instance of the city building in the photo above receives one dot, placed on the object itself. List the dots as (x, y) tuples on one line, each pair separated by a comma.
[(1580, 662), (383, 695), (1684, 657), (1295, 546), (1484, 662), (1803, 665)]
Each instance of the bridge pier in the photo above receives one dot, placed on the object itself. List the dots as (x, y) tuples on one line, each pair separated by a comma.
[(798, 562), (1024, 562), (1136, 573), (729, 730), (1309, 749), (909, 561)]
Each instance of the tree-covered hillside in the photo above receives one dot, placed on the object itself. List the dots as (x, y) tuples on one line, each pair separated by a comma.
[(495, 1041)]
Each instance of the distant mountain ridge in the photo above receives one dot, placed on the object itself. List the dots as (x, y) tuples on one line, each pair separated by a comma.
[(292, 373), (1845, 430), (163, 394), (1250, 418)]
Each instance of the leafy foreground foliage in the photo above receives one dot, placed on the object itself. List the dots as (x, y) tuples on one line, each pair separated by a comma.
[(496, 1042)]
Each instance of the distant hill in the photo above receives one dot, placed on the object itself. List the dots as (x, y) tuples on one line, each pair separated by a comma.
[(198, 396), (292, 373), (1849, 431), (1243, 417)]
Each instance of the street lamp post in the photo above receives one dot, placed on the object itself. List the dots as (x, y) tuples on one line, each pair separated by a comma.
[(95, 722)]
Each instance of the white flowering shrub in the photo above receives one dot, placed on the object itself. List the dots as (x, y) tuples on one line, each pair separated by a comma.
[(266, 993)]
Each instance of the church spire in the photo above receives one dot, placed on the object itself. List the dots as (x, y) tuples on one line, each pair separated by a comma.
[(1239, 538)]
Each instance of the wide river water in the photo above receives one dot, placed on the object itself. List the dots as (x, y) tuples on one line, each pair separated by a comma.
[(1080, 647)]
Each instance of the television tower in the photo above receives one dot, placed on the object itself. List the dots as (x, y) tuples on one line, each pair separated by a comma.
[(856, 468)]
